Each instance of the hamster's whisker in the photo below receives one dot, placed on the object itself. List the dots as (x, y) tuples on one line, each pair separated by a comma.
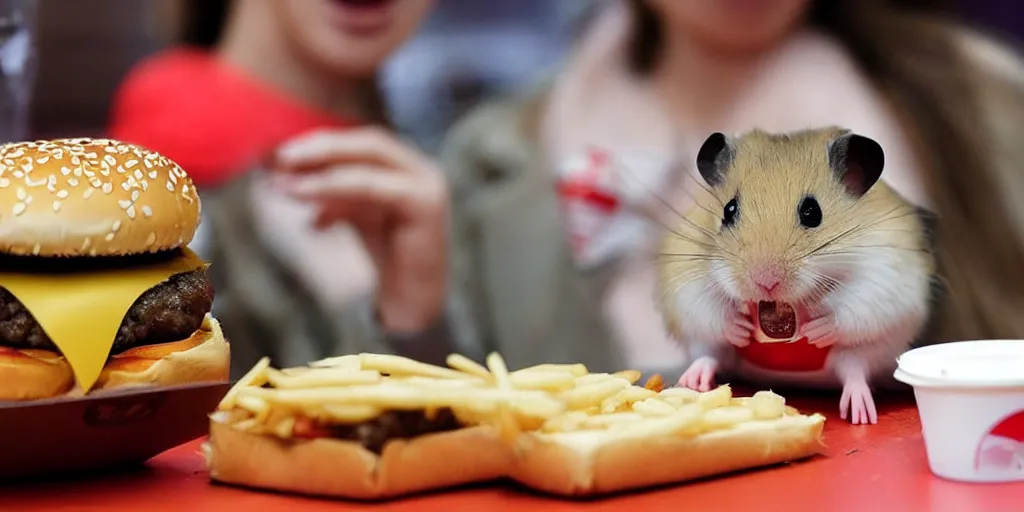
[(829, 242)]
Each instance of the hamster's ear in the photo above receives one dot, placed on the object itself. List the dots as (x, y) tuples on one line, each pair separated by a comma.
[(857, 162), (714, 158)]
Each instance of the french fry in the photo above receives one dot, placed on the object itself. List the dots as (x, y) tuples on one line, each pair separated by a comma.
[(464, 364), (506, 421), (718, 397), (630, 375), (322, 377), (655, 383), (767, 405), (256, 376), (593, 394), (723, 417), (347, 362), (654, 407), (397, 365), (577, 369), (547, 381)]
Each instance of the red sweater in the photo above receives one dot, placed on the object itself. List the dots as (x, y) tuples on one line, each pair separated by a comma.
[(211, 118)]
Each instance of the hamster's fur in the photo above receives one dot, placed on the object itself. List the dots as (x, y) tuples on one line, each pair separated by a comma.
[(809, 224)]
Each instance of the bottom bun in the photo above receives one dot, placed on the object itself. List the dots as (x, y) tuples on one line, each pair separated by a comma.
[(203, 357), (337, 468), (587, 463), (33, 374)]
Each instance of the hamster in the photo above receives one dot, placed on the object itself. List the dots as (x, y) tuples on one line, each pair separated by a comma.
[(796, 248)]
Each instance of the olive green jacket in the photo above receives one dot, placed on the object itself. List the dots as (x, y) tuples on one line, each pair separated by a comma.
[(514, 287)]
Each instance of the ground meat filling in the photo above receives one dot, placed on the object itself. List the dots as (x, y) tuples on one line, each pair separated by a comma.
[(170, 311), (374, 434)]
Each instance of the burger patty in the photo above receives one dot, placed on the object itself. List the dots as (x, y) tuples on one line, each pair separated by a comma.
[(169, 311), (374, 434)]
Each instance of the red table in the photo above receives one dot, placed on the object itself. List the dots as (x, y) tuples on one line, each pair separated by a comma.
[(882, 466)]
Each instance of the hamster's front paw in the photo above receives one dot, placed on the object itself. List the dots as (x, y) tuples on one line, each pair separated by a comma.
[(857, 404), (740, 330), (821, 331), (700, 376)]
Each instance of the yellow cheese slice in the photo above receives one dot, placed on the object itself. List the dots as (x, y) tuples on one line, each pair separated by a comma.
[(81, 312)]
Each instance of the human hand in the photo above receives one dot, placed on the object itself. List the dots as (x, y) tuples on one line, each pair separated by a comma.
[(397, 200)]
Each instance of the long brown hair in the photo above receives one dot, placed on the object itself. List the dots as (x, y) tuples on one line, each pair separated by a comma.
[(203, 23), (914, 55)]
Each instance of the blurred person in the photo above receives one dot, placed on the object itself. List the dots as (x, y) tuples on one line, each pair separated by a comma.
[(538, 280), (252, 75)]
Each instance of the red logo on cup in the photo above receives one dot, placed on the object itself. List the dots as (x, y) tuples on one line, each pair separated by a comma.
[(1002, 449), (589, 196)]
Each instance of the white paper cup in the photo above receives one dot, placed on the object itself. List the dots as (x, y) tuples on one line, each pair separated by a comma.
[(970, 396)]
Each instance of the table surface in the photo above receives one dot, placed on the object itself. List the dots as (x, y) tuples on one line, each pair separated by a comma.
[(863, 467)]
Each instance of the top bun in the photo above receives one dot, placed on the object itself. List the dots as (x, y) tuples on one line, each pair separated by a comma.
[(93, 197)]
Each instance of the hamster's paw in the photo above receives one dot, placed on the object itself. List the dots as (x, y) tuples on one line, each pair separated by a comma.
[(820, 332), (740, 331), (857, 404), (700, 376)]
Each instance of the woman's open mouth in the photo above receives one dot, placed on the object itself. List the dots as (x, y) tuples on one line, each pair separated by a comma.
[(775, 321)]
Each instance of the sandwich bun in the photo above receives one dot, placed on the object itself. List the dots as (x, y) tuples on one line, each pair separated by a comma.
[(93, 197), (344, 469), (203, 357), (579, 463), (33, 374), (588, 463)]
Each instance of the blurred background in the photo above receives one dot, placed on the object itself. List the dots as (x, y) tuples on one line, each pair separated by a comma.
[(468, 49)]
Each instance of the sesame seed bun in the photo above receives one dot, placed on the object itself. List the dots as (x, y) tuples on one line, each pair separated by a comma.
[(93, 197)]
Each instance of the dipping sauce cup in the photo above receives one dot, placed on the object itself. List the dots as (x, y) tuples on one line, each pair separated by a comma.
[(970, 396)]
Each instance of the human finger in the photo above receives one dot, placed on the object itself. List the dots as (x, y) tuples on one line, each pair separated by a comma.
[(365, 145)]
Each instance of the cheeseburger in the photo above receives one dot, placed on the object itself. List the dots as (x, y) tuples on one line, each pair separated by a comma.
[(97, 287)]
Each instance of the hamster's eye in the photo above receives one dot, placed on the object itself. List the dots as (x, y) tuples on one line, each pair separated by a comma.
[(732, 208), (810, 212)]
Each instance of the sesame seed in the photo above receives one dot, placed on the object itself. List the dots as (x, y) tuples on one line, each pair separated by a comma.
[(107, 188), (152, 175), (151, 239), (73, 182), (4, 182), (170, 187), (56, 206), (75, 160), (19, 174), (147, 211), (116, 226), (28, 200), (95, 182), (135, 195), (65, 171), (34, 183), (145, 186), (131, 212), (63, 194), (139, 175), (131, 163), (19, 208), (21, 194), (43, 160), (124, 203), (109, 237), (125, 186), (87, 193), (109, 160), (91, 155), (110, 149)]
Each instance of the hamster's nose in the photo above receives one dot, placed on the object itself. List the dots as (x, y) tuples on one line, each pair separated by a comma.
[(766, 277)]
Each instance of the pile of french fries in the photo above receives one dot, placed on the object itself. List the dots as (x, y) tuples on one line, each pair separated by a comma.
[(549, 398)]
